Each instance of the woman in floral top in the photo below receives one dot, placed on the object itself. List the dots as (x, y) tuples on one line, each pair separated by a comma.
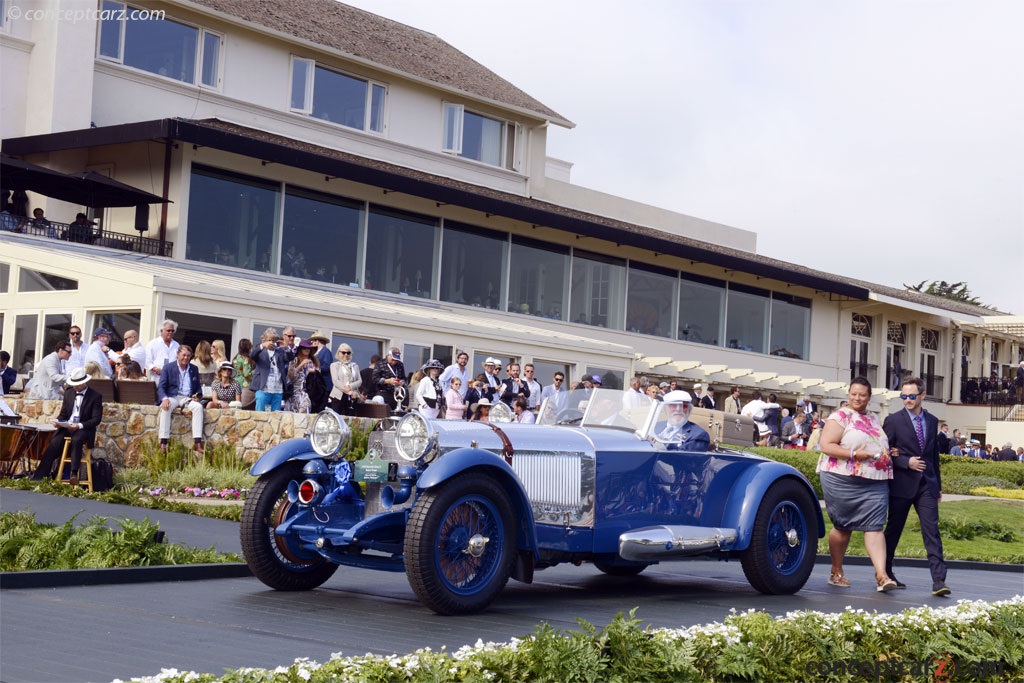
[(243, 370), (855, 469)]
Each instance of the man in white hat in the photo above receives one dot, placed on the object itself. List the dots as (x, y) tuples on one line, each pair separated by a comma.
[(491, 367), (80, 414), (675, 429), (98, 350), (324, 355)]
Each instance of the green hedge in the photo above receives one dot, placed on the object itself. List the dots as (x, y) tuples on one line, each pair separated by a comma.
[(976, 641), (957, 471)]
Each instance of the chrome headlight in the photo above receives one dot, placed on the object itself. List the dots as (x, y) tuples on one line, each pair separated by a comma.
[(500, 412), (414, 437), (329, 434)]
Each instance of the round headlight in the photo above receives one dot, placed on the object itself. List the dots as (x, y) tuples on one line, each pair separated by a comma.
[(500, 412), (330, 434), (414, 438)]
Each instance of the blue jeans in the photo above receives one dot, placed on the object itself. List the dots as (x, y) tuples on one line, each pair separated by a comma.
[(265, 401)]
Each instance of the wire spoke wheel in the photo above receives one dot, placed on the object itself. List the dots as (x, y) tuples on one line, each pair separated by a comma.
[(784, 540), (459, 545)]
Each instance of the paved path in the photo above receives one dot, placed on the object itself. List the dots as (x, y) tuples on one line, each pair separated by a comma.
[(98, 633)]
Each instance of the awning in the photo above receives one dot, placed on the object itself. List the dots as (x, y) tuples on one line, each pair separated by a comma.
[(87, 188)]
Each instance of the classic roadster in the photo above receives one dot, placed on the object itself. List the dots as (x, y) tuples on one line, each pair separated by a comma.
[(461, 507)]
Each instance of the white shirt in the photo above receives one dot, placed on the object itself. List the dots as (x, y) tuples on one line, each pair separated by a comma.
[(77, 358), (451, 372), (526, 418), (96, 354), (138, 354), (534, 399), (159, 354)]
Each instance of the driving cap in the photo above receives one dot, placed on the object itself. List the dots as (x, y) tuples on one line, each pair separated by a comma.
[(678, 396)]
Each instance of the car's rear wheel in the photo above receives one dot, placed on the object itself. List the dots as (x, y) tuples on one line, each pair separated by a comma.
[(278, 561), (784, 540), (460, 544)]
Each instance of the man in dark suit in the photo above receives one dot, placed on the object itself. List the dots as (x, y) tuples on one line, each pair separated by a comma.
[(943, 438), (179, 386), (676, 430), (916, 480), (80, 414)]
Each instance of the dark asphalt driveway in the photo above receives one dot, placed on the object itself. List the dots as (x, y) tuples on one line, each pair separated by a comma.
[(98, 633)]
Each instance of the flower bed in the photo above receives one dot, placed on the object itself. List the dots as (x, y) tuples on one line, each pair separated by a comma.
[(976, 641)]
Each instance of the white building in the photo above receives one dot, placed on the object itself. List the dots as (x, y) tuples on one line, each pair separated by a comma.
[(331, 169)]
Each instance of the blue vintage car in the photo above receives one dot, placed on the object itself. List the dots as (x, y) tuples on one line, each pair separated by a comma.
[(461, 507)]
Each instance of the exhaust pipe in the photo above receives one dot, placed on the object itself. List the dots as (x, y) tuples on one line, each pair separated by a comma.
[(389, 497)]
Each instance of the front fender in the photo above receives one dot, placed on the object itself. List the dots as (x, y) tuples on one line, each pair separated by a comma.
[(749, 490), (292, 449), (462, 459)]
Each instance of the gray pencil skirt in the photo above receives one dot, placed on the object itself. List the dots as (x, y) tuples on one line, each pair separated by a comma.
[(855, 503)]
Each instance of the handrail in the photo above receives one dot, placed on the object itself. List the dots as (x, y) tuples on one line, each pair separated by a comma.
[(87, 235)]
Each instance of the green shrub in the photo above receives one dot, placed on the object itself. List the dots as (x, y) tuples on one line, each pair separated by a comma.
[(805, 461), (964, 485), (961, 466), (26, 544), (1012, 494), (955, 527), (748, 646)]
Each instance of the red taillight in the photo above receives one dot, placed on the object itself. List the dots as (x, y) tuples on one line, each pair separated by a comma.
[(307, 491)]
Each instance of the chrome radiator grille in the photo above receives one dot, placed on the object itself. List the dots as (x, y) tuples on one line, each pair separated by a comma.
[(560, 486)]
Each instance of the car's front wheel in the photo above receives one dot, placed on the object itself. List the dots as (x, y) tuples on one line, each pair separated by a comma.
[(784, 541), (460, 544), (276, 560)]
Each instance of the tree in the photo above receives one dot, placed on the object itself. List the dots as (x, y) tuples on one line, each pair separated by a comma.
[(956, 291)]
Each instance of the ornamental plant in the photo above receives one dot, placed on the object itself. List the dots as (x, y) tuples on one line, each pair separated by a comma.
[(968, 641)]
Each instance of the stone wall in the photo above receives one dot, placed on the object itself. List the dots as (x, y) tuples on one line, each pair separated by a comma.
[(126, 426)]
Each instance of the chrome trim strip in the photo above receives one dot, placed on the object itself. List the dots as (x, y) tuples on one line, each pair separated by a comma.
[(669, 542)]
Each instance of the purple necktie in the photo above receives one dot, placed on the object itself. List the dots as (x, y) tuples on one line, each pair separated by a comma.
[(920, 432)]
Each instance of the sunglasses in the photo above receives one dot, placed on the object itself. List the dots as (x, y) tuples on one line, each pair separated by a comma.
[(908, 397), (346, 353), (290, 336), (76, 334)]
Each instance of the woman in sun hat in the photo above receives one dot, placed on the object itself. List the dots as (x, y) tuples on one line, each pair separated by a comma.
[(225, 389)]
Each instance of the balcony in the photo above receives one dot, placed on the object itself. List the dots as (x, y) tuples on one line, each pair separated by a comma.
[(100, 238), (933, 387), (987, 391)]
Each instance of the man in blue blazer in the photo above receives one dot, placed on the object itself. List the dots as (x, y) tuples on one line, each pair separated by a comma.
[(179, 385), (916, 480), (676, 430)]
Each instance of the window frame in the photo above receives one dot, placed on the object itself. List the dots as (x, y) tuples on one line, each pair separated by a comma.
[(309, 91), (453, 126), (200, 56)]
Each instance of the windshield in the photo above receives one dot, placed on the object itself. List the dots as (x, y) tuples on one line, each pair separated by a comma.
[(597, 408)]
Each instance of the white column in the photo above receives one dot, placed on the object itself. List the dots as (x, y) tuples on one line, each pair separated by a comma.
[(954, 385)]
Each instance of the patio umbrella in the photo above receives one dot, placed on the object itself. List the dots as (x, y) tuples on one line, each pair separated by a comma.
[(87, 188)]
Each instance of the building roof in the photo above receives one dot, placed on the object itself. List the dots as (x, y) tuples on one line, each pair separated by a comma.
[(386, 44), (272, 147)]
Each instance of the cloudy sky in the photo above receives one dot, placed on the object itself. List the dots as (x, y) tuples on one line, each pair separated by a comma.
[(880, 140)]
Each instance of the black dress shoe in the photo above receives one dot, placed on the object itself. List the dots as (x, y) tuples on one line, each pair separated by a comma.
[(940, 589), (899, 584)]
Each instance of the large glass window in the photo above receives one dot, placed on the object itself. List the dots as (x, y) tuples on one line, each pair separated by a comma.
[(400, 252), (791, 326), (37, 281), (472, 265), (147, 40), (56, 327), (362, 349), (598, 290), (23, 357), (194, 328), (746, 325), (651, 300), (117, 323), (5, 277), (336, 97), (610, 379), (537, 278), (701, 309), (312, 222), (474, 136), (231, 219), (544, 372)]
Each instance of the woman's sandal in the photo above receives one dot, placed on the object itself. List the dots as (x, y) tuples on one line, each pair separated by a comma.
[(885, 584), (838, 579)]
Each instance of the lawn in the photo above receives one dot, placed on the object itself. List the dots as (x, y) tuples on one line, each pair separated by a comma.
[(981, 522)]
